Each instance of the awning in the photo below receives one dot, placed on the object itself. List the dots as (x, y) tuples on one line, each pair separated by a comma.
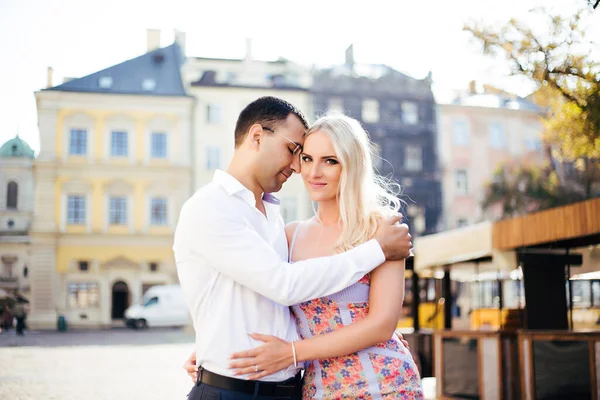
[(455, 246)]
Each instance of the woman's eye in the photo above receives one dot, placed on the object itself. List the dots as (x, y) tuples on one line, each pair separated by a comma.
[(331, 161)]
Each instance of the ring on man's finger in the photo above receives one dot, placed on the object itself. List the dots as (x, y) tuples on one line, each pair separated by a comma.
[(256, 368)]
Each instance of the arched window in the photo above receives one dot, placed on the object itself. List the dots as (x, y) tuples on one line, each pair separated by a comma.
[(12, 192)]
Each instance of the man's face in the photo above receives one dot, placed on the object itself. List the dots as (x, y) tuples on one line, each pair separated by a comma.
[(277, 160)]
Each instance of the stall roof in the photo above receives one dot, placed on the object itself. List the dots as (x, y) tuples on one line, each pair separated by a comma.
[(466, 244)]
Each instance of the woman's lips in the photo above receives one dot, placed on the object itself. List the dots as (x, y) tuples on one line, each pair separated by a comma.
[(317, 185)]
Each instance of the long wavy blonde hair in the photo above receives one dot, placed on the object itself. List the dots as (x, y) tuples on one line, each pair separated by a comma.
[(363, 195)]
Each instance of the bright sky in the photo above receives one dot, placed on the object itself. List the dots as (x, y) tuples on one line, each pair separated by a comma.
[(78, 37)]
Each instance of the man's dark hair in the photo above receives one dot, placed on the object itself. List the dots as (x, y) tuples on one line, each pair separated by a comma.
[(265, 111)]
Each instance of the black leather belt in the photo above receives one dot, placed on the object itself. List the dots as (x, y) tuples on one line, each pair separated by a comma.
[(288, 388)]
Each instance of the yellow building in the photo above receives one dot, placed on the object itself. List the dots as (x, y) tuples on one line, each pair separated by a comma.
[(113, 171)]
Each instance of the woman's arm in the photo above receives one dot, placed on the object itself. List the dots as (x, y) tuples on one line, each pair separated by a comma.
[(385, 304)]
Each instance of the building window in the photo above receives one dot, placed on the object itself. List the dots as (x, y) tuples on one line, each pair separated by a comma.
[(83, 295), (497, 139), (118, 144), (83, 266), (335, 105), (533, 143), (159, 145), (117, 211), (78, 142), (148, 84), (12, 195), (213, 113), (461, 222), (461, 181), (153, 267), (76, 210), (370, 111), (460, 133), (413, 158), (289, 209), (410, 113), (105, 82), (213, 158), (158, 211)]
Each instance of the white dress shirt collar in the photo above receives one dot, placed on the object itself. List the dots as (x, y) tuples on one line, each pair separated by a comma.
[(234, 187)]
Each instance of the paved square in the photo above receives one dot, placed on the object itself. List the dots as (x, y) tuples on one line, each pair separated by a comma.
[(102, 364)]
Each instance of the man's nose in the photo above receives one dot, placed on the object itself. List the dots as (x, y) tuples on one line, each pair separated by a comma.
[(295, 165)]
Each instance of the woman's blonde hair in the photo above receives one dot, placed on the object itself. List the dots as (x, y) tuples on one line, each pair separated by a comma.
[(363, 195)]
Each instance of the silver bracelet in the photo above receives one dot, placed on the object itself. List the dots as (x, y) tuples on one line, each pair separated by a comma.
[(294, 353)]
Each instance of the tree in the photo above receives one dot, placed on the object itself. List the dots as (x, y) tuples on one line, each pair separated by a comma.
[(560, 63), (525, 189)]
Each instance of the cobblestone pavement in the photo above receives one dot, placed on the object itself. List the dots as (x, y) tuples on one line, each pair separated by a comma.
[(93, 365)]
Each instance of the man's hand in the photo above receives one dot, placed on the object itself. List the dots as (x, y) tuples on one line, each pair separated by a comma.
[(190, 367), (394, 239)]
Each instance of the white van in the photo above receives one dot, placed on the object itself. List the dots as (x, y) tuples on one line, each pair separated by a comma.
[(162, 305)]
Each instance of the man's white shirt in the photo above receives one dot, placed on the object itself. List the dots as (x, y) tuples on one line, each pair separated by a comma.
[(231, 262)]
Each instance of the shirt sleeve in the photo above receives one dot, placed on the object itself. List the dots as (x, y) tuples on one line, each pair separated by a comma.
[(208, 236)]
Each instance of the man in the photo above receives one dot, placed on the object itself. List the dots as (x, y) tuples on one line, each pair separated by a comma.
[(230, 249)]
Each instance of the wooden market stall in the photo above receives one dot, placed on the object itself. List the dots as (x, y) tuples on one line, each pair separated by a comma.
[(533, 254)]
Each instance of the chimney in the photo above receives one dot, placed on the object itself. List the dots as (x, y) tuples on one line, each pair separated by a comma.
[(472, 87), (180, 40), (350, 56), (248, 50), (152, 39), (49, 77)]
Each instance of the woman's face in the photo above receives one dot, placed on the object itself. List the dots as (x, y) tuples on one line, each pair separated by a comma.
[(321, 170)]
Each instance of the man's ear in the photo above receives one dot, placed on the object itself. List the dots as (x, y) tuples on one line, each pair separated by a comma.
[(255, 136)]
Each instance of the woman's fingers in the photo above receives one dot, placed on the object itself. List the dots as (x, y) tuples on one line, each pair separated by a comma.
[(245, 353), (247, 362), (262, 374), (246, 371), (261, 337)]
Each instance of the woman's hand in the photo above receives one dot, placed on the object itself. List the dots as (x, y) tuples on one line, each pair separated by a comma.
[(274, 355)]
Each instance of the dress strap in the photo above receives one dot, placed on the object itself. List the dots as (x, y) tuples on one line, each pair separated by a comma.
[(293, 241)]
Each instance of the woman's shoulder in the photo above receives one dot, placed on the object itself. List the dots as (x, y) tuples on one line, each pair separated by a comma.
[(291, 228)]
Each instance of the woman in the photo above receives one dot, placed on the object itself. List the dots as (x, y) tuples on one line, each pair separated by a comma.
[(348, 340)]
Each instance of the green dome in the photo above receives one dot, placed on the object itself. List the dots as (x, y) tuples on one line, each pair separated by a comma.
[(16, 147)]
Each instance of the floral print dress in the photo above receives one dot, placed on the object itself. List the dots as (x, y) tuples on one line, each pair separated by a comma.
[(384, 371)]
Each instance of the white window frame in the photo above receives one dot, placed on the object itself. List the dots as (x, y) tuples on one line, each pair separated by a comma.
[(413, 158), (82, 221), (165, 154), (461, 181), (497, 135), (112, 144), (410, 112), (165, 222), (460, 137), (370, 110), (85, 147), (76, 287), (124, 211)]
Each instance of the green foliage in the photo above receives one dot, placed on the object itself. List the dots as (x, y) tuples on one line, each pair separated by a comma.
[(559, 61), (524, 189)]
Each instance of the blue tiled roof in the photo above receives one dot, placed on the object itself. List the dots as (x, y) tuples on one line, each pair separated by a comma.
[(154, 73)]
